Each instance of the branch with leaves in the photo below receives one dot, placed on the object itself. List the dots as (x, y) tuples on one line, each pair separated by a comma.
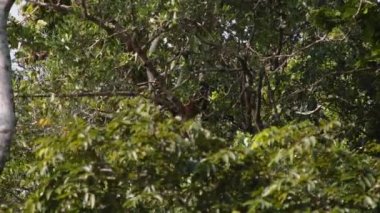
[(160, 93)]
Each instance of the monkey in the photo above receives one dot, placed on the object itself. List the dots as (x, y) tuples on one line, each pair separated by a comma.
[(198, 103)]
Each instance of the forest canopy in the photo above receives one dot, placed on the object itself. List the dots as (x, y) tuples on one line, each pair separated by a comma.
[(195, 106)]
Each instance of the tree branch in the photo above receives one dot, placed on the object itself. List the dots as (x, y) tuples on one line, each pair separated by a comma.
[(79, 94), (258, 121), (161, 95), (246, 95), (56, 7)]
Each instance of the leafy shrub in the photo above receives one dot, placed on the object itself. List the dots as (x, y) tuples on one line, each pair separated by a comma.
[(144, 160)]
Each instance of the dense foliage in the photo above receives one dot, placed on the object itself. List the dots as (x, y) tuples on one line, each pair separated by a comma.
[(189, 105)]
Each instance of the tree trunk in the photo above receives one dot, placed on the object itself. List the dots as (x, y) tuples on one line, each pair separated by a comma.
[(7, 115)]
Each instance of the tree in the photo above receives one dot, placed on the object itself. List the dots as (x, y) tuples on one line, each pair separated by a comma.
[(7, 116), (189, 105)]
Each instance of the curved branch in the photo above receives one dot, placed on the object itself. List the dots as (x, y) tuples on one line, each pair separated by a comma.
[(319, 107)]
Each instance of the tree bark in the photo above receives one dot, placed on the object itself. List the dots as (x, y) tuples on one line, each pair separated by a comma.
[(7, 115)]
